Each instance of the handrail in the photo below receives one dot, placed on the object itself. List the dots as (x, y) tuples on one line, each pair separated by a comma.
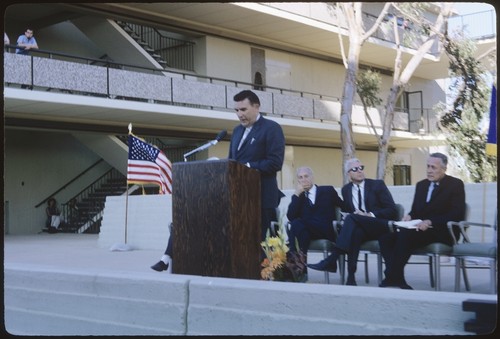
[(70, 182), (312, 111), (93, 184), (211, 79), (92, 205)]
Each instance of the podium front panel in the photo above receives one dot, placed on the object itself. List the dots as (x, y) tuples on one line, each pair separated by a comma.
[(216, 219)]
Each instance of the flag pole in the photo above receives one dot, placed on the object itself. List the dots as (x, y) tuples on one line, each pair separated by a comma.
[(126, 198), (124, 246), (126, 214)]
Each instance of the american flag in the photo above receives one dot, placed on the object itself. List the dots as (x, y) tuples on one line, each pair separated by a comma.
[(148, 165)]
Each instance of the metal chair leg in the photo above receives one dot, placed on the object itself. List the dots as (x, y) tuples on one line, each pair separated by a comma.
[(379, 267), (367, 278), (341, 268), (493, 277), (458, 266), (431, 272), (327, 276), (437, 265), (464, 272)]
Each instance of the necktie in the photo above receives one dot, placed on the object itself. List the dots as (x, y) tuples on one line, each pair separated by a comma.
[(307, 198), (360, 206), (243, 137), (429, 192)]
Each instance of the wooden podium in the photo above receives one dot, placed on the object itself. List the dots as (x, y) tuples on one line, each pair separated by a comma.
[(216, 219)]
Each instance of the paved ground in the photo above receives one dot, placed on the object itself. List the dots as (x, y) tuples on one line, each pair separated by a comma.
[(78, 252)]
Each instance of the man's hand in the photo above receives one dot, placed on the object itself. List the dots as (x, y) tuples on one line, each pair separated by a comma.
[(299, 189), (424, 225), (366, 214)]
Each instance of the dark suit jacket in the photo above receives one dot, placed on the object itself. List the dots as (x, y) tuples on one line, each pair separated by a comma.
[(264, 150), (447, 204), (377, 198), (323, 210)]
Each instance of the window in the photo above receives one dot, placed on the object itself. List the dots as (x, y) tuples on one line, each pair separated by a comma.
[(402, 175)]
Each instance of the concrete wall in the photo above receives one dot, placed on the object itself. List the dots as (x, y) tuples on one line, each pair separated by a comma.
[(149, 216), (140, 221), (57, 302)]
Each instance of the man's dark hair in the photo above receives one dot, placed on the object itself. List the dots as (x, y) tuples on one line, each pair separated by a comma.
[(441, 156), (247, 94)]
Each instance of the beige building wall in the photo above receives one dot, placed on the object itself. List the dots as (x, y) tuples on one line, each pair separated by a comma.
[(325, 162)]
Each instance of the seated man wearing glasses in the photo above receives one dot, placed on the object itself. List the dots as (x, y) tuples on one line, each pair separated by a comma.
[(370, 206)]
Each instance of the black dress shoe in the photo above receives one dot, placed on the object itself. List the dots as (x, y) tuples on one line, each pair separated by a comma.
[(324, 265), (387, 283), (351, 281), (405, 286), (160, 266)]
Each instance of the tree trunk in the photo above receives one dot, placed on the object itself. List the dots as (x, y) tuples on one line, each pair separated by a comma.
[(401, 80), (346, 135), (383, 148)]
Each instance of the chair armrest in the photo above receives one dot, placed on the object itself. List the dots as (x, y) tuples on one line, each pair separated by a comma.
[(391, 225), (337, 226), (462, 229), (470, 223)]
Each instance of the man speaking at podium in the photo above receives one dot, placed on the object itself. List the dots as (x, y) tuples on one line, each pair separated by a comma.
[(259, 143)]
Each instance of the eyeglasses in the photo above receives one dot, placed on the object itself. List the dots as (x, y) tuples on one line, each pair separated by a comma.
[(355, 169)]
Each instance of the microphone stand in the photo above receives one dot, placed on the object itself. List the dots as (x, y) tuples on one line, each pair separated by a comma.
[(219, 136), (201, 148)]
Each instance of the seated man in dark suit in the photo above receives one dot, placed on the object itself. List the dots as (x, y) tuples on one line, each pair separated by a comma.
[(370, 206), (438, 199), (311, 211)]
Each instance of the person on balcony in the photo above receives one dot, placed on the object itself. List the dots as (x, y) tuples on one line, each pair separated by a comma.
[(27, 41), (370, 206), (438, 199)]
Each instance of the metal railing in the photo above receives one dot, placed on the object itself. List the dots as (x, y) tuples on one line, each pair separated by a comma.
[(480, 25), (176, 53), (81, 174), (103, 78), (90, 202)]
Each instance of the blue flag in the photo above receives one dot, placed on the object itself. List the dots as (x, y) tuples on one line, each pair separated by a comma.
[(491, 145)]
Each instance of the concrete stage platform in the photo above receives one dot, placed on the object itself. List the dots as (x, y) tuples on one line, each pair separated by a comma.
[(64, 284)]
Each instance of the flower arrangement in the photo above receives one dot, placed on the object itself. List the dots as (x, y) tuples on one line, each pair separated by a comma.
[(280, 264)]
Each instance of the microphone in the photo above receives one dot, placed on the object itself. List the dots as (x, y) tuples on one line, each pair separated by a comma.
[(219, 137)]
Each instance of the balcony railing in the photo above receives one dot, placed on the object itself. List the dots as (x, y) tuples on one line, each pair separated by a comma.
[(480, 25), (101, 78)]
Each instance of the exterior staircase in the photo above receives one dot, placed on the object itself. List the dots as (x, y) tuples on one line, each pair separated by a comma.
[(85, 215), (134, 33), (167, 51)]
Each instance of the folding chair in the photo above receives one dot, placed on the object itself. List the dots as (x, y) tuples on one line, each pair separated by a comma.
[(467, 249)]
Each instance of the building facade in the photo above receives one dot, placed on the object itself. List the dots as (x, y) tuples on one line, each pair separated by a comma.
[(171, 70)]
